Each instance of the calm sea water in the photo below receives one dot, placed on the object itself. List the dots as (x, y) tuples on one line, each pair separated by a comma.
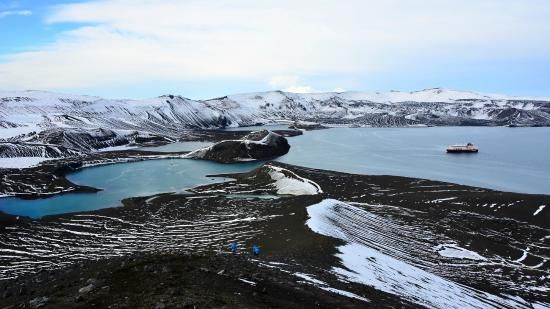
[(510, 159), (120, 181)]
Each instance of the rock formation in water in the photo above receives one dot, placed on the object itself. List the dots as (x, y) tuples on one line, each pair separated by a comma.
[(259, 145), (306, 125)]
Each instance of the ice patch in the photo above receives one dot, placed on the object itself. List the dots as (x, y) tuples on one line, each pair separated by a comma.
[(454, 251)]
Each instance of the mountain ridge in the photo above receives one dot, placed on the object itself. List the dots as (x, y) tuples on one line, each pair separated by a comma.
[(437, 90), (87, 124)]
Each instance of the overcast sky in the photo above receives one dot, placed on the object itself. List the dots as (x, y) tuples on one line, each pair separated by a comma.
[(208, 48)]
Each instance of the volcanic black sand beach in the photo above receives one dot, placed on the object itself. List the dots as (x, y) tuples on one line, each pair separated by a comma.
[(173, 250)]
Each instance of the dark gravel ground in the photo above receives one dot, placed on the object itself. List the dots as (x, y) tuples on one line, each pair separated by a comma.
[(209, 279), (487, 221), (172, 281)]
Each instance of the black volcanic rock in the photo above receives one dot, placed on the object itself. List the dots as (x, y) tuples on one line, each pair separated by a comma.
[(259, 145)]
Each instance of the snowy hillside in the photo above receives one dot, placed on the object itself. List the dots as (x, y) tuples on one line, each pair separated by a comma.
[(83, 124), (35, 111), (429, 107)]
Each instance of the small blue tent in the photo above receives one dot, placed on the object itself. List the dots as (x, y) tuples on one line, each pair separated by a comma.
[(256, 250)]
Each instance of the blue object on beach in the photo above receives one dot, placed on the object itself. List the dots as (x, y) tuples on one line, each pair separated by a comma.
[(233, 248), (256, 250)]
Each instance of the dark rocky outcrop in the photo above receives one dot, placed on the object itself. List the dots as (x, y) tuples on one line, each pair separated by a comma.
[(259, 145)]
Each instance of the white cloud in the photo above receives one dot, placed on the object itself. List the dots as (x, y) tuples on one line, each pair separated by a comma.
[(15, 13), (135, 41), (289, 83), (299, 89)]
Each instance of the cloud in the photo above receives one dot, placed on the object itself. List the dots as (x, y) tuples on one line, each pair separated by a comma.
[(299, 89), (289, 83), (15, 13), (123, 42)]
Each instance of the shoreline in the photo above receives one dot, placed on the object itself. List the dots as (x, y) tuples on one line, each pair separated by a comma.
[(47, 174), (49, 179)]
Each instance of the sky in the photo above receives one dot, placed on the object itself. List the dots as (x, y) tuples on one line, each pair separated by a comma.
[(207, 48)]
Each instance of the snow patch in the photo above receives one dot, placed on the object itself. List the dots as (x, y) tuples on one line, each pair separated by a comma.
[(199, 153), (522, 257), (252, 283), (117, 148), (23, 129), (444, 199), (344, 293), (454, 251), (541, 305), (323, 286), (365, 265), (309, 278), (293, 185), (21, 162), (541, 207)]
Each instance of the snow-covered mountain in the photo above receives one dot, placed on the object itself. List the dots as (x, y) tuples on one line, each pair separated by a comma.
[(87, 123), (429, 107)]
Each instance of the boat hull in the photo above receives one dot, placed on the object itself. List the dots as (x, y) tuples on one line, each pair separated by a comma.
[(462, 150)]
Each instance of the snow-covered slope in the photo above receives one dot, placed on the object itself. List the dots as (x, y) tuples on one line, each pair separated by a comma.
[(87, 123), (381, 253), (430, 107), (34, 111), (30, 111)]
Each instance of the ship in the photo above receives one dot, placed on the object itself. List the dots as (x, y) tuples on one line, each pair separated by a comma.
[(468, 148)]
